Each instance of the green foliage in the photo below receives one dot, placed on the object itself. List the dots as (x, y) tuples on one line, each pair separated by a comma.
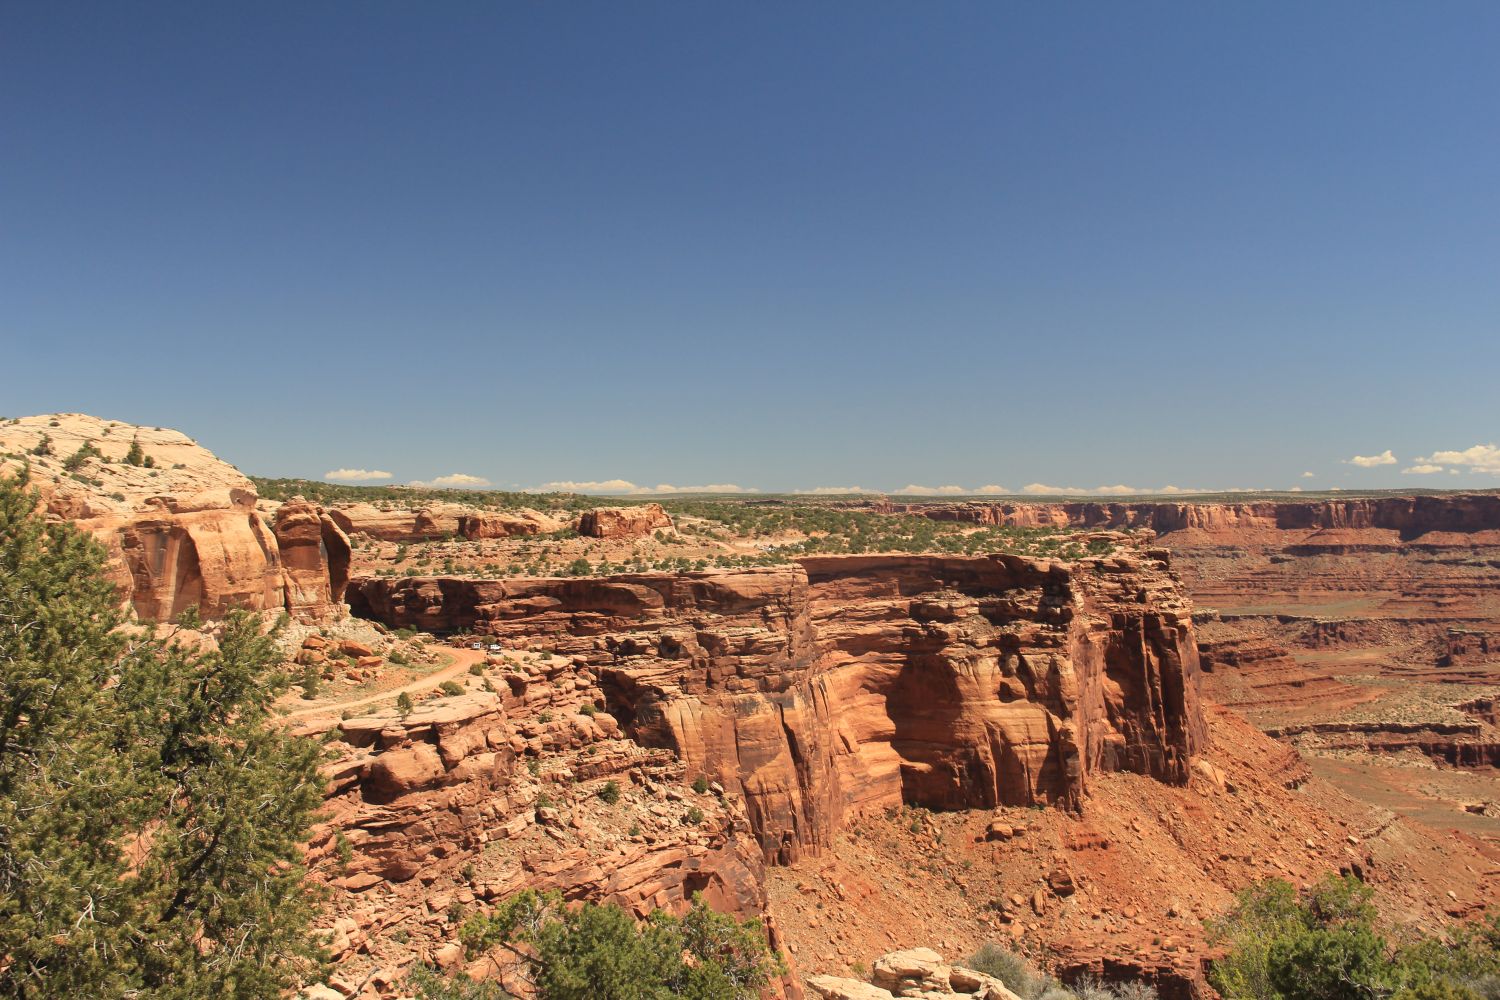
[(404, 704), (79, 458), (44, 446), (693, 817), (1008, 967), (136, 455), (429, 984), (588, 709), (310, 680), (597, 952), (451, 688), (610, 793), (1326, 944), (151, 818), (700, 784)]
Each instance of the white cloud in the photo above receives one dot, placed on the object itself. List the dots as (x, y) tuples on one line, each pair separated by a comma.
[(992, 488), (356, 475), (1424, 469), (1043, 488), (914, 490), (1307, 475), (1480, 458), (829, 491), (709, 488), (454, 480), (626, 486), (1193, 489), (591, 486), (1118, 490), (1371, 461)]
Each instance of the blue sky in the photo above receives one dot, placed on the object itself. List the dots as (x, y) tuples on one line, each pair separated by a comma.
[(779, 246)]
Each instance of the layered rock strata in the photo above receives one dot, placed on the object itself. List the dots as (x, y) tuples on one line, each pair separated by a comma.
[(438, 521), (623, 522), (180, 526), (842, 684), (1410, 517)]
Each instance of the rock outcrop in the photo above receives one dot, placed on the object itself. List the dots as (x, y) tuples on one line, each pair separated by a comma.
[(438, 521), (181, 527), (842, 684), (915, 972), (314, 557), (623, 522)]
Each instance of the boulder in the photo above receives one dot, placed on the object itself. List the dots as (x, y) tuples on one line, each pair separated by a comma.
[(397, 772), (919, 969), (837, 988)]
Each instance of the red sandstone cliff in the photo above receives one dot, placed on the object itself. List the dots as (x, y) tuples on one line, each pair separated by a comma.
[(182, 528), (848, 683)]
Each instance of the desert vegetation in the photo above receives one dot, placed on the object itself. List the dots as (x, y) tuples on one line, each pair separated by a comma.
[(1327, 943), (151, 818), (599, 952)]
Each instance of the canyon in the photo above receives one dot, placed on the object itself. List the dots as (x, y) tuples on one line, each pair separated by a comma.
[(849, 684), (1083, 756)]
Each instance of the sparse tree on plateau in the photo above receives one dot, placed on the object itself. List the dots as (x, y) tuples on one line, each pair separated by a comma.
[(151, 819)]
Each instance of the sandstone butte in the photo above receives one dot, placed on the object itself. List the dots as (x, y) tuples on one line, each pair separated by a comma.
[(623, 522), (807, 698)]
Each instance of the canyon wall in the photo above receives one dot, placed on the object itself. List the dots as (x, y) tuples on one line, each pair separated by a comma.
[(181, 528), (1361, 624), (842, 684), (1410, 517)]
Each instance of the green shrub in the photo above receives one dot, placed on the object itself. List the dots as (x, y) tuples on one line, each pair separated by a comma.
[(700, 784), (610, 793), (427, 983), (79, 458), (310, 681), (1325, 944), (404, 704), (694, 816), (598, 952), (1006, 966), (451, 688)]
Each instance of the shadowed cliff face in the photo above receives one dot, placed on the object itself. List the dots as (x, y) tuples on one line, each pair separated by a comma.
[(844, 684)]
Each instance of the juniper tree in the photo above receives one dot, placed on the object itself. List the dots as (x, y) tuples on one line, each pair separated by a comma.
[(151, 818)]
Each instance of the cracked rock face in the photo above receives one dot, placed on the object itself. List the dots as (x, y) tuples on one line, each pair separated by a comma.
[(849, 683), (182, 529)]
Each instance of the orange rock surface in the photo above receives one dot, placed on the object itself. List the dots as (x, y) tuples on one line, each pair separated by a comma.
[(623, 522)]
